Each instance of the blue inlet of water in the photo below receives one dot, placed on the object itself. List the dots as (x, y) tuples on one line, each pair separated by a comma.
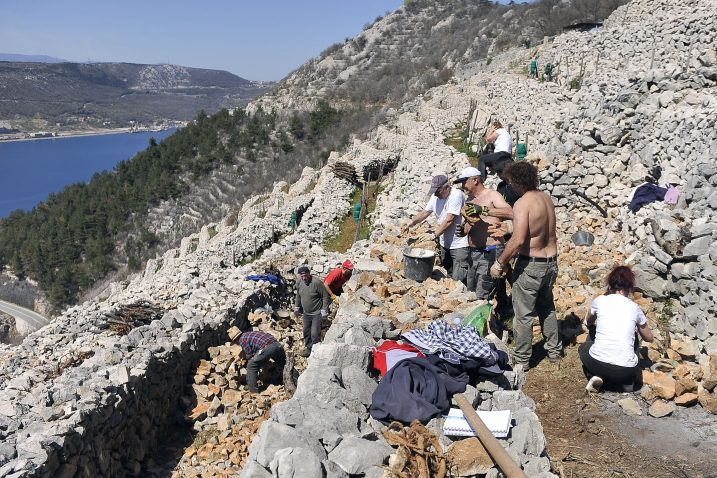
[(30, 170)]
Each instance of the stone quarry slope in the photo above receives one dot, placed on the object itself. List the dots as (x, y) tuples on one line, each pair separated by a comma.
[(76, 396)]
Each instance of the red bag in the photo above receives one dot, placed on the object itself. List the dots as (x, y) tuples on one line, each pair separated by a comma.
[(390, 353)]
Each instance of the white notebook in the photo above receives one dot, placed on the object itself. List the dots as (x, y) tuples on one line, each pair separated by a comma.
[(497, 421)]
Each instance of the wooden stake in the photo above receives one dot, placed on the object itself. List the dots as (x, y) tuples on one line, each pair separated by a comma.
[(490, 443)]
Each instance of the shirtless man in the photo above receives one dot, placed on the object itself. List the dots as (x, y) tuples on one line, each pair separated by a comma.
[(483, 248), (534, 242)]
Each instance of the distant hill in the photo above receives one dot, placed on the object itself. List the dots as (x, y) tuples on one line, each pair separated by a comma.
[(30, 58), (72, 96)]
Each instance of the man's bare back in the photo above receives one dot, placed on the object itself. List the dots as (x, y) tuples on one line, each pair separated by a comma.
[(540, 212)]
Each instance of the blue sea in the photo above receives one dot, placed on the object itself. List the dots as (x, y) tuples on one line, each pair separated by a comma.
[(30, 170)]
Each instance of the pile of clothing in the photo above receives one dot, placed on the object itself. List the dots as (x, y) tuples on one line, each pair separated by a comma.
[(440, 361)]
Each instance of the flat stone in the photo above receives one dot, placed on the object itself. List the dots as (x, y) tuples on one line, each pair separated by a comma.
[(660, 409), (356, 455), (662, 384), (407, 317), (275, 436), (697, 247), (468, 458), (708, 401), (687, 399), (630, 407), (293, 462)]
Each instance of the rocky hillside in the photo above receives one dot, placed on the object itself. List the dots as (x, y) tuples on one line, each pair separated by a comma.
[(68, 389), (421, 44), (78, 96)]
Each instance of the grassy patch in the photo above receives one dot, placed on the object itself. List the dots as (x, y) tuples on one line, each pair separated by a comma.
[(285, 188), (344, 239), (212, 231), (310, 187), (457, 137), (666, 313)]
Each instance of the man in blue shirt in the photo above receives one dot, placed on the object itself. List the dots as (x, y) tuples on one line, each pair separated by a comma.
[(259, 348)]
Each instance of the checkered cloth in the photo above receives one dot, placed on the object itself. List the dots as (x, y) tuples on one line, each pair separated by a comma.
[(451, 343), (253, 342)]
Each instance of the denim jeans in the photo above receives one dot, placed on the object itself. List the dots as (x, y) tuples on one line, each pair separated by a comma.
[(533, 297)]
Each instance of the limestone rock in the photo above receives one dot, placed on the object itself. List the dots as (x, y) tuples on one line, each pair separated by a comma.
[(467, 457), (686, 399), (356, 455), (662, 384), (660, 409), (630, 406)]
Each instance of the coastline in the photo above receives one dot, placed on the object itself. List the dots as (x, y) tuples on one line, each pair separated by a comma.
[(75, 134)]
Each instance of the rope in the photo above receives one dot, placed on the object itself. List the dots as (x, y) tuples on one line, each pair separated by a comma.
[(419, 453)]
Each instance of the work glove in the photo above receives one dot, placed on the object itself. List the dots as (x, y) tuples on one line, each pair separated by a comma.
[(324, 313), (496, 270), (471, 210), (335, 299)]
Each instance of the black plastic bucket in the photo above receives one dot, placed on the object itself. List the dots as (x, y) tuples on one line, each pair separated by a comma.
[(418, 263)]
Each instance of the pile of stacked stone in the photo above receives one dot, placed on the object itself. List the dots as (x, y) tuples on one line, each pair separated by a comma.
[(223, 412), (325, 428), (647, 105)]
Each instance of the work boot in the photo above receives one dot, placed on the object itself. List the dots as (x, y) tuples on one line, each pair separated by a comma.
[(305, 352)]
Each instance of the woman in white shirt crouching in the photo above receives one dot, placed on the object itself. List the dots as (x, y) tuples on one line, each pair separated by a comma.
[(609, 355)]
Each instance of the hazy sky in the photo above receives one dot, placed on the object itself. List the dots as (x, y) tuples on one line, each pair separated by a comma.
[(255, 39)]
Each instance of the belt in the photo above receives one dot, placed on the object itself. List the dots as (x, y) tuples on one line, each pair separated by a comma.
[(484, 249), (522, 257)]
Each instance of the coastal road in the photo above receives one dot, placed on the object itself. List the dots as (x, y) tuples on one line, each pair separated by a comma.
[(26, 320)]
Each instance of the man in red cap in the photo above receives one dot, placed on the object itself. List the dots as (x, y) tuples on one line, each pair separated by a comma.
[(335, 280)]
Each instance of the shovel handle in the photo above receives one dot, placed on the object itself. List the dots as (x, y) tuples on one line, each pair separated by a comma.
[(492, 446)]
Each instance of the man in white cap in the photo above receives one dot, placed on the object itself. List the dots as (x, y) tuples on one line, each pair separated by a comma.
[(446, 203), (485, 207)]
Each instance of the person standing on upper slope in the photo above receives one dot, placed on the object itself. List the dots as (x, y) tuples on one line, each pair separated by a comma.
[(503, 142), (534, 242)]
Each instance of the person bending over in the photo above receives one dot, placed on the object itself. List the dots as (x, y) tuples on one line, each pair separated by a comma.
[(335, 280), (446, 203), (259, 348), (609, 355)]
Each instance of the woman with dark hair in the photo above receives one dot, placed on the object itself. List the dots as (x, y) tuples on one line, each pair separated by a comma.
[(609, 353)]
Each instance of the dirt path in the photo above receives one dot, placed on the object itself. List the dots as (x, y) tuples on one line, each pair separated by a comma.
[(590, 435)]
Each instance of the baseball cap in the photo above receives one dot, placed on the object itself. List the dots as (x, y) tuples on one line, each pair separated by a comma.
[(347, 264), (466, 173), (437, 182), (303, 269)]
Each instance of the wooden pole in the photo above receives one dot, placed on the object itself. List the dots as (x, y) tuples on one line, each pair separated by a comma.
[(489, 442)]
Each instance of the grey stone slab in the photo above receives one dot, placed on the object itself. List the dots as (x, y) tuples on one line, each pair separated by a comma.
[(356, 455)]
